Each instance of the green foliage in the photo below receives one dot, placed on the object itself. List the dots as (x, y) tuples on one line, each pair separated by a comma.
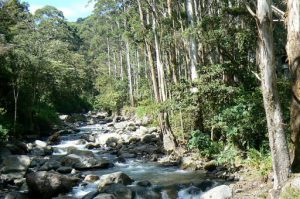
[(229, 156), (290, 193), (259, 160), (203, 143), (243, 122), (112, 94), (3, 130), (45, 116)]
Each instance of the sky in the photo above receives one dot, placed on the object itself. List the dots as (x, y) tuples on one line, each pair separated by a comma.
[(72, 9)]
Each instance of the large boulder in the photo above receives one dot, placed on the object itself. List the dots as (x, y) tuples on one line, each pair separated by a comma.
[(17, 147), (148, 138), (83, 163), (104, 139), (120, 191), (15, 163), (81, 153), (51, 164), (219, 192), (117, 177), (46, 185)]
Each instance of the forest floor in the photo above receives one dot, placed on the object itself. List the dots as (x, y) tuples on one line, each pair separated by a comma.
[(252, 185)]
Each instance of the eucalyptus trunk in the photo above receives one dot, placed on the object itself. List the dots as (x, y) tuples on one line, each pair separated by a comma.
[(293, 51), (277, 137)]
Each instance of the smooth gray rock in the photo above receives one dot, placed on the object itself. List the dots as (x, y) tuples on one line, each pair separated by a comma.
[(91, 178), (40, 144), (117, 177), (219, 192), (15, 163), (46, 185), (120, 191)]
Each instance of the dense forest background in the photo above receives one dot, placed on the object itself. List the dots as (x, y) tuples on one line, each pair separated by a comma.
[(190, 65)]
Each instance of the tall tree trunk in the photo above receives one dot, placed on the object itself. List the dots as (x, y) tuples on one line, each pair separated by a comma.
[(16, 97), (108, 57), (150, 57), (193, 47), (169, 140), (130, 84), (293, 51), (277, 138), (121, 65)]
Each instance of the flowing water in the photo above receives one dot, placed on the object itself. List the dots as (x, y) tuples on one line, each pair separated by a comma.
[(170, 182)]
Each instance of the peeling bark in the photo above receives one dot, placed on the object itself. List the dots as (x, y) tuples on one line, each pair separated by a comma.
[(277, 137)]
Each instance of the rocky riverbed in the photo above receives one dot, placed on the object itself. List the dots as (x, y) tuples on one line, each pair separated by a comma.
[(96, 157)]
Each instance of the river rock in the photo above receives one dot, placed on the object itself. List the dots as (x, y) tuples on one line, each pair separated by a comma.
[(37, 151), (46, 185), (12, 176), (219, 192), (211, 165), (92, 146), (63, 117), (64, 170), (152, 129), (54, 138), (16, 195), (76, 118), (112, 142), (40, 144), (147, 148), (51, 164), (105, 196), (91, 178), (83, 163), (103, 138), (117, 177), (144, 183), (17, 147), (121, 125), (120, 191), (190, 192), (142, 130), (91, 195), (189, 163), (81, 153), (15, 163), (148, 138), (145, 192), (169, 161)]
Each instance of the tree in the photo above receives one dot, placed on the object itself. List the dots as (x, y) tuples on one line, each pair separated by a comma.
[(293, 52), (277, 137)]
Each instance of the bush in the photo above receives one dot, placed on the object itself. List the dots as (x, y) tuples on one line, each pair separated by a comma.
[(243, 123), (3, 130), (229, 156), (112, 94), (260, 160), (45, 116), (203, 143)]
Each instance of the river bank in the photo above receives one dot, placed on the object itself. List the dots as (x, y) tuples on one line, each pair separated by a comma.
[(94, 155)]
